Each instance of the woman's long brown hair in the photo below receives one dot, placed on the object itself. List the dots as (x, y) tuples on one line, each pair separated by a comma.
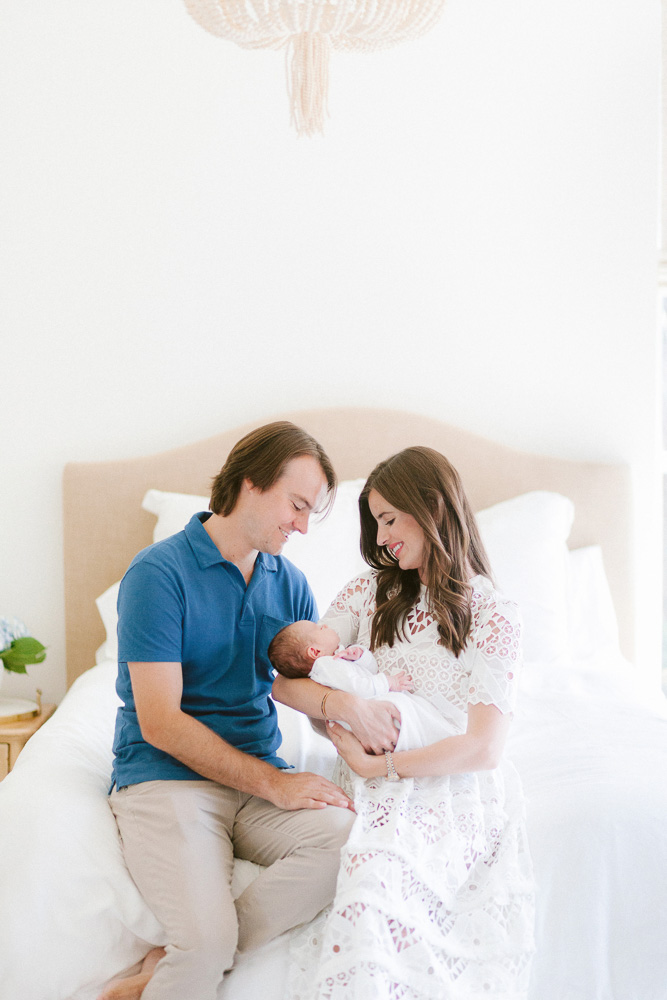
[(421, 482)]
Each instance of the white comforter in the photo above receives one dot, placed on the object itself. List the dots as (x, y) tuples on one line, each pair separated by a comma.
[(592, 753)]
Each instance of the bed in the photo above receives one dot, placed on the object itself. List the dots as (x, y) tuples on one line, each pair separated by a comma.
[(589, 740)]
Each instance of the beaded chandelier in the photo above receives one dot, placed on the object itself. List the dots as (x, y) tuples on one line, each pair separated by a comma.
[(309, 29)]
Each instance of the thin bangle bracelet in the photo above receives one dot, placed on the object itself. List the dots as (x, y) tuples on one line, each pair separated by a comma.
[(323, 705)]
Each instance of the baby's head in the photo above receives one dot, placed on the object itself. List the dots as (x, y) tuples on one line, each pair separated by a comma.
[(293, 650)]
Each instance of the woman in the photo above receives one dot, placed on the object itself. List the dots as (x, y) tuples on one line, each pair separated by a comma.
[(435, 893)]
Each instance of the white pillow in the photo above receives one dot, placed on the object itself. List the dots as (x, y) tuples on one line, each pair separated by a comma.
[(525, 539), (62, 875), (592, 616), (173, 510), (107, 607), (329, 554)]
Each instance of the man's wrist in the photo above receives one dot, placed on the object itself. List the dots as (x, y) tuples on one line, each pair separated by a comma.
[(338, 704), (269, 783)]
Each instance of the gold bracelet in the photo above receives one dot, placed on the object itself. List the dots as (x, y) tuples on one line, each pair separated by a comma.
[(323, 705)]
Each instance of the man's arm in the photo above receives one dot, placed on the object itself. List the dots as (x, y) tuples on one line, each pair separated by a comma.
[(158, 689)]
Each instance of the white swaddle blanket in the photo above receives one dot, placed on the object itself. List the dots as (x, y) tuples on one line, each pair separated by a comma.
[(422, 722)]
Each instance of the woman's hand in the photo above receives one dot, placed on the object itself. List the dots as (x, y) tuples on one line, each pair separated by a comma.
[(350, 749)]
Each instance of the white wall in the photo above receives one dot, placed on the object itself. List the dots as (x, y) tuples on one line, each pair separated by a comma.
[(474, 238)]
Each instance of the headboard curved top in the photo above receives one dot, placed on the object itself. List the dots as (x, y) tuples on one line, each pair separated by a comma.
[(105, 526)]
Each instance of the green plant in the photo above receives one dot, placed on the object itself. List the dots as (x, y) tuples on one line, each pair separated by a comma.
[(17, 648)]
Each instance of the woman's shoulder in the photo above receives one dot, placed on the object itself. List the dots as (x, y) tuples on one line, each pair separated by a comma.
[(360, 586), (356, 595), (488, 601)]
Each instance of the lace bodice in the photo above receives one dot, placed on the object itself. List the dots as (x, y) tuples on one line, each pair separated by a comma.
[(487, 670)]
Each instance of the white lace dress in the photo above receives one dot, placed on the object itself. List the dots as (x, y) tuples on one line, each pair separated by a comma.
[(435, 893)]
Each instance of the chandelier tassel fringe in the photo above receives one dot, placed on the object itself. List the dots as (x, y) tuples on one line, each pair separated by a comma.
[(308, 81), (310, 29)]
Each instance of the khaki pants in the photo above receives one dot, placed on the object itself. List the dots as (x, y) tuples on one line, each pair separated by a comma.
[(179, 841)]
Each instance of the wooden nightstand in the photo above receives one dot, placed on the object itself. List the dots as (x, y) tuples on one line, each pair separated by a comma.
[(15, 735)]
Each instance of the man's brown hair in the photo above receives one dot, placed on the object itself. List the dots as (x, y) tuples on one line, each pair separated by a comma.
[(261, 457)]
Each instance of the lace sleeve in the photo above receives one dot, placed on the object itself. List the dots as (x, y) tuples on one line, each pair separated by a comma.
[(497, 655), (345, 611)]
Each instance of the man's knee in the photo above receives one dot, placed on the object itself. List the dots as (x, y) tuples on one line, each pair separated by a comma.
[(342, 820), (330, 829)]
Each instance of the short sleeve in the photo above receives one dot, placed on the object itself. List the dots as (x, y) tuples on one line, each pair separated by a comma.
[(307, 606), (497, 654), (150, 616), (345, 611)]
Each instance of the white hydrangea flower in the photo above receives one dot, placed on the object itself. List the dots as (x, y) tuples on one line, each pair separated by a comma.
[(10, 629)]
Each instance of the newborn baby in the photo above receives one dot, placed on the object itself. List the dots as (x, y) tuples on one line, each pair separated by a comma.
[(306, 649), (309, 649)]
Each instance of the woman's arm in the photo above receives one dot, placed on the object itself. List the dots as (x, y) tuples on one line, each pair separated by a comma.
[(478, 749), (372, 722)]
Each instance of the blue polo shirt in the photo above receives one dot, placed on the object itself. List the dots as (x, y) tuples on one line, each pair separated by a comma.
[(181, 602)]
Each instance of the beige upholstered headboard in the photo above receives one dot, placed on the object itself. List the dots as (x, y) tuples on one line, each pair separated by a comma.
[(105, 526)]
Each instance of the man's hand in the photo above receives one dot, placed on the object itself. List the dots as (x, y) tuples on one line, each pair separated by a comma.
[(374, 724), (305, 790)]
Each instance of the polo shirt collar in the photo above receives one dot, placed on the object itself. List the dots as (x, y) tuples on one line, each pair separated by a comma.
[(268, 561), (207, 552)]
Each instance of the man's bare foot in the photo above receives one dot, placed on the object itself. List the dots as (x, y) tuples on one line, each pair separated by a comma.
[(132, 987)]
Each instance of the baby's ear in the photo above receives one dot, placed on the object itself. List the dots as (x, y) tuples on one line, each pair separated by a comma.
[(312, 652)]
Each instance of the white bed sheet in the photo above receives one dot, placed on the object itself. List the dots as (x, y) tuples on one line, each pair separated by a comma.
[(592, 752)]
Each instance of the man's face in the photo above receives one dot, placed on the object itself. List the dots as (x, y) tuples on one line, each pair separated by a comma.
[(271, 516)]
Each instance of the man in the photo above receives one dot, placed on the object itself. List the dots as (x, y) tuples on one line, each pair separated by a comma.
[(197, 778)]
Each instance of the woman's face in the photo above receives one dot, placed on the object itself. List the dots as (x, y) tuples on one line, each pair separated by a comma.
[(398, 532)]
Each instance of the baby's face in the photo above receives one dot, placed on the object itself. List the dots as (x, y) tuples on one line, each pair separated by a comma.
[(323, 637)]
